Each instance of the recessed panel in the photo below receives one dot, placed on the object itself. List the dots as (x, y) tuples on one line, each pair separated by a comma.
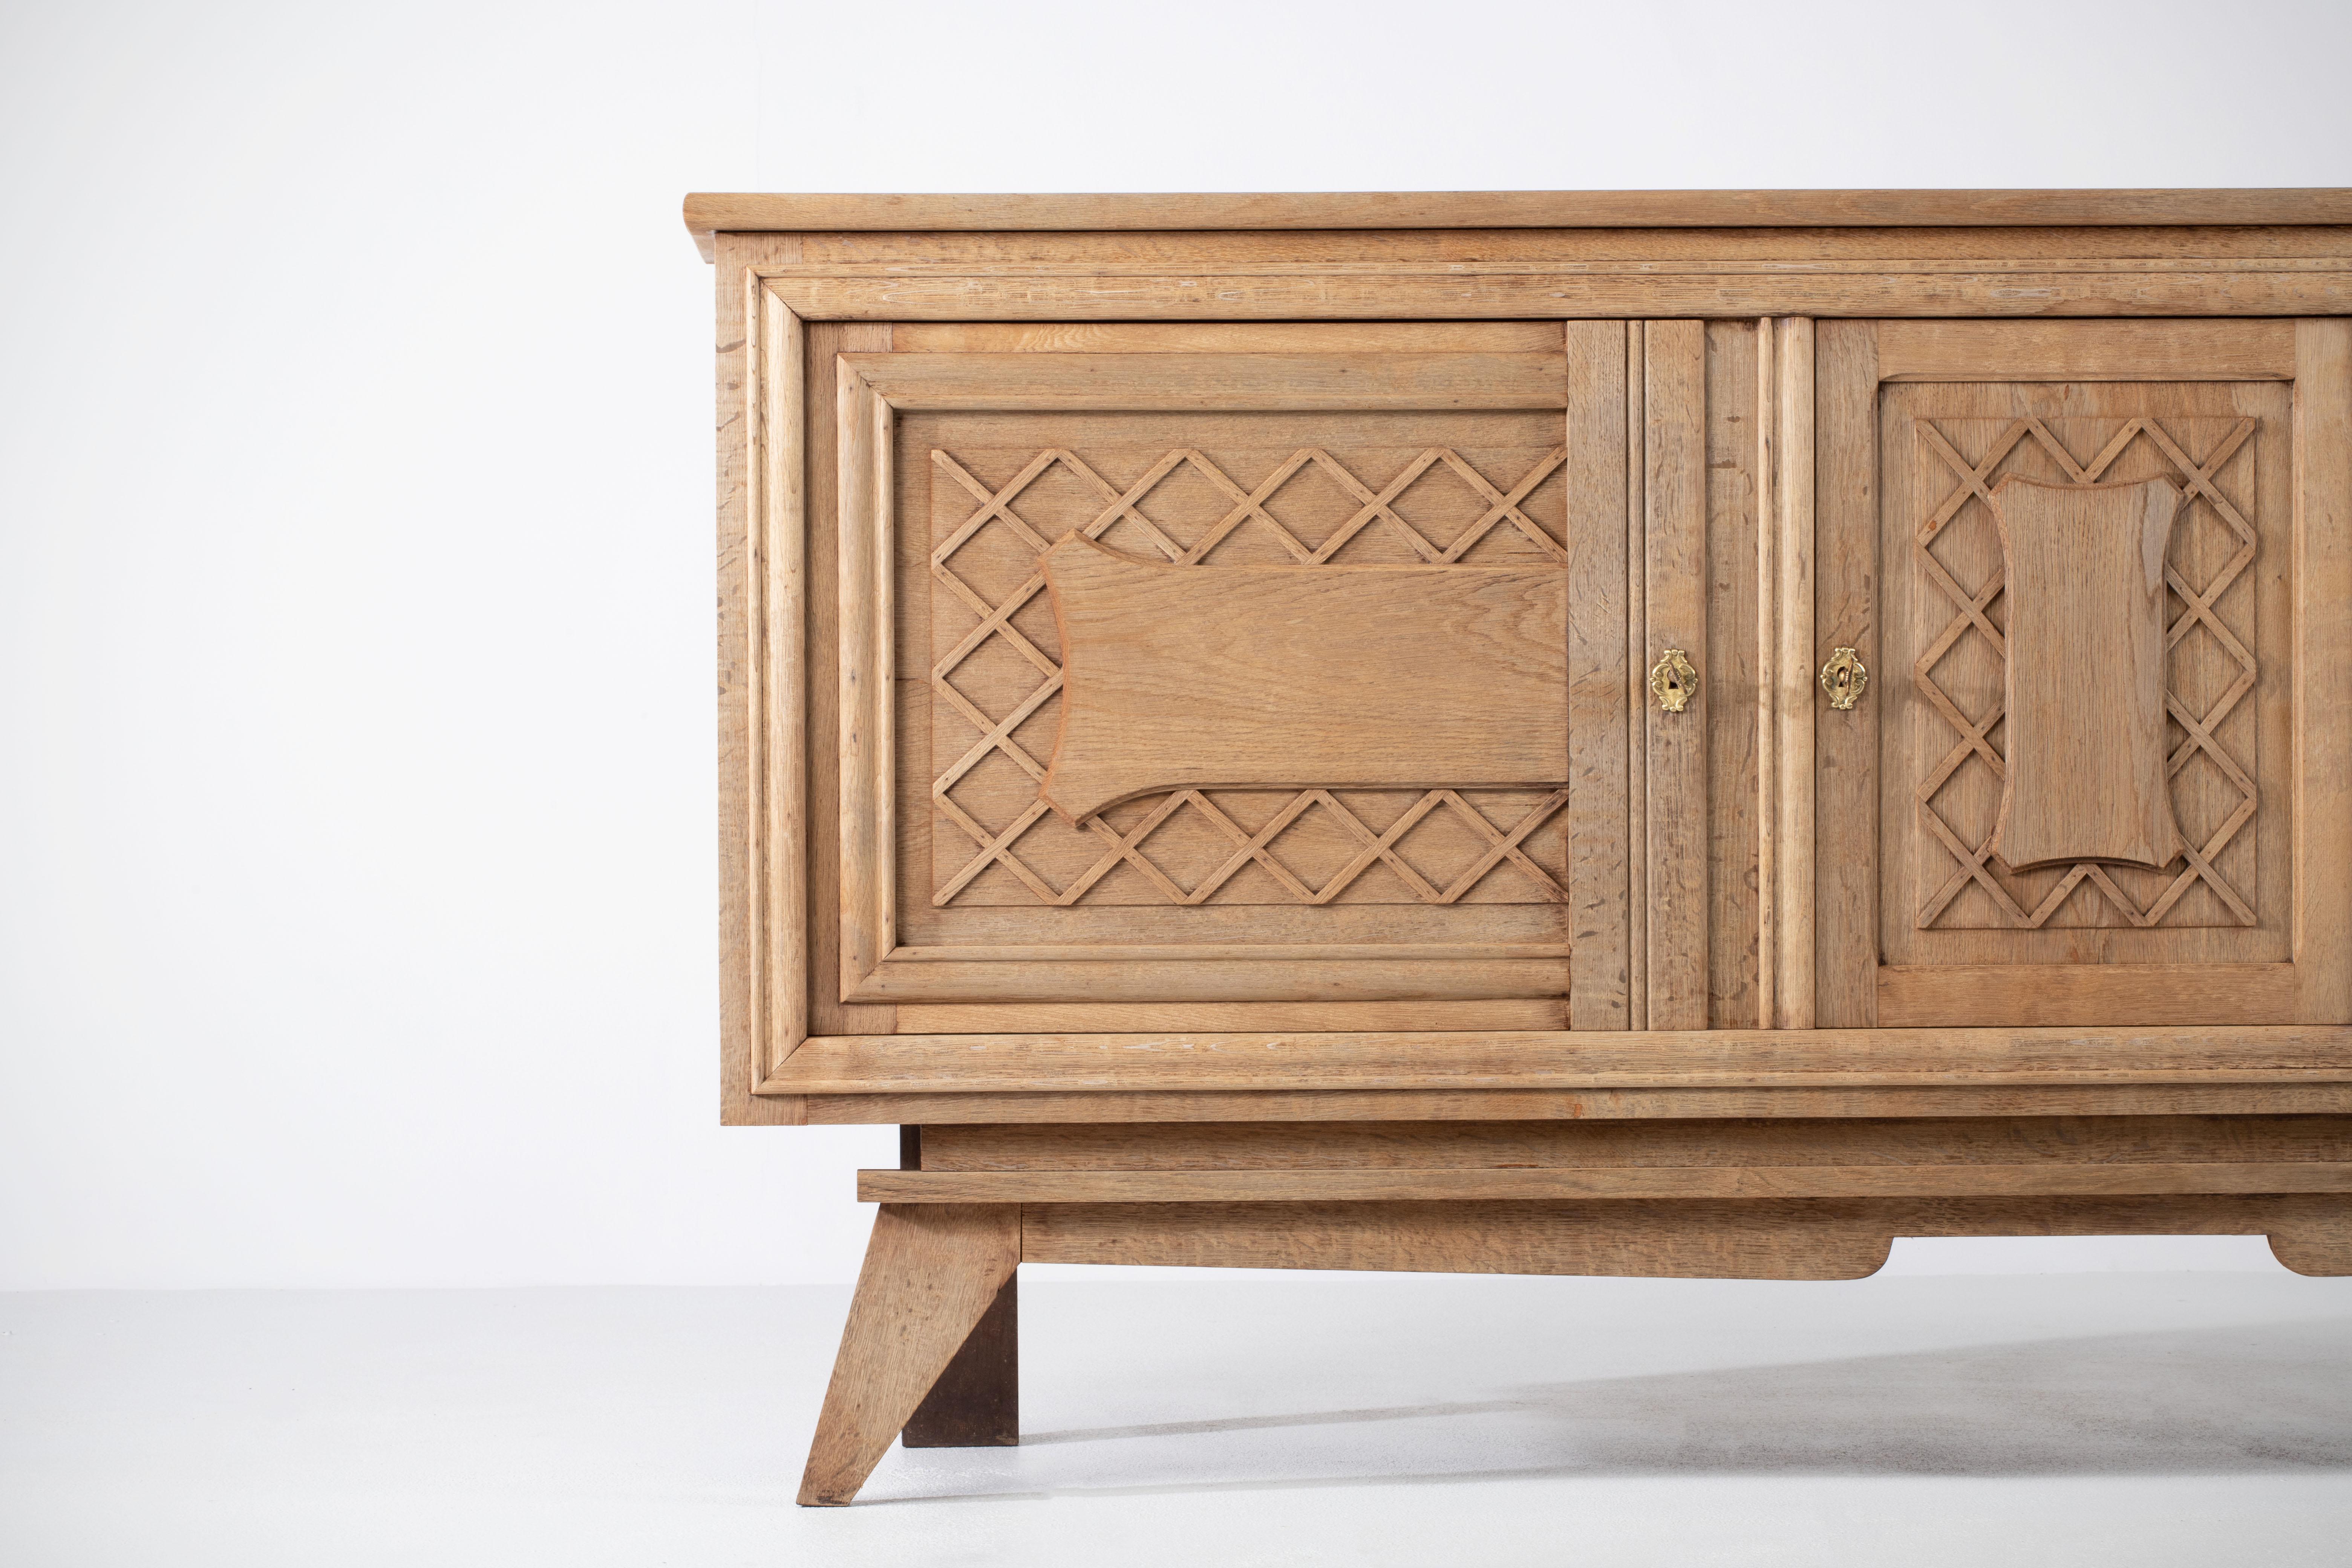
[(2086, 762), (1386, 589)]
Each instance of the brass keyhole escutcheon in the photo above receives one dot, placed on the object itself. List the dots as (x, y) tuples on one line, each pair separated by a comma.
[(1843, 677), (1672, 679)]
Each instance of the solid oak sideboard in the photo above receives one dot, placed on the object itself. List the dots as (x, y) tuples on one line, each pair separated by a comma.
[(1671, 733)]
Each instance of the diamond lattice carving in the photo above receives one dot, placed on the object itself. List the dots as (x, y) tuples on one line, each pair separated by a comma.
[(1001, 679), (2212, 667)]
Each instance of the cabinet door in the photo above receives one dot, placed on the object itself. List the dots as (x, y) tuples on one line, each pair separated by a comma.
[(2100, 574), (1235, 683)]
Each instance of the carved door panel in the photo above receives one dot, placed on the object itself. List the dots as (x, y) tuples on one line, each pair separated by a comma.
[(2099, 573), (1235, 683)]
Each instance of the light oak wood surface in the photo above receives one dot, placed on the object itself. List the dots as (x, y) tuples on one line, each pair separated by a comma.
[(707, 212), (2088, 351), (976, 1403), (1275, 676), (1479, 864), (1600, 1060), (1133, 1109), (2322, 777), (930, 1273), (1865, 287), (2007, 245), (1601, 677), (2118, 995), (2083, 568), (1675, 579), (1759, 1239), (1212, 1017), (1637, 667), (1787, 695), (1556, 1185), (1786, 1238), (1479, 338), (1846, 613), (1898, 1143), (1241, 379), (1313, 553), (1925, 919), (748, 923)]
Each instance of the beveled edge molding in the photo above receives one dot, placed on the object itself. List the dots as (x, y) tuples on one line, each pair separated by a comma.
[(1629, 289), (874, 966), (706, 213), (1773, 1102), (775, 681), (1234, 381), (1563, 1061), (1785, 697), (1541, 1184)]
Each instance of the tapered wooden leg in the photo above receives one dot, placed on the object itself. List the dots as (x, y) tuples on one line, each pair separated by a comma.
[(931, 1272), (976, 1403)]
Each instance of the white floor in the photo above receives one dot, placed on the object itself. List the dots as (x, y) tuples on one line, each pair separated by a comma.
[(2191, 1418)]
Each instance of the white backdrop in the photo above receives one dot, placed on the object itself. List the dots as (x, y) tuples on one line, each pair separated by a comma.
[(356, 829)]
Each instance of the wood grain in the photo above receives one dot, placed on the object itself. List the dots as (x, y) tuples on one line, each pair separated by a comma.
[(1787, 1238), (2009, 246), (1274, 676), (2183, 946), (1117, 973), (2115, 995), (1599, 714), (1787, 692), (868, 763), (976, 1403), (822, 750), (1223, 337), (1163, 1083), (994, 843), (1948, 897), (1572, 1060), (750, 997), (2323, 739), (707, 212), (778, 607), (1209, 490), (1147, 1017), (1846, 615), (1770, 612), (1134, 1108), (1735, 517), (2042, 1179), (2085, 730), (1637, 667), (930, 1273), (1186, 381), (1871, 287), (999, 901), (1901, 1143), (2089, 351), (1675, 612)]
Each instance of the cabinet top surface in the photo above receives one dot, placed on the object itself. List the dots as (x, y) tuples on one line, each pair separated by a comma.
[(707, 213)]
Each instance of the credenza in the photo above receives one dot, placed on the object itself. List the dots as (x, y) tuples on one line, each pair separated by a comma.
[(1667, 733)]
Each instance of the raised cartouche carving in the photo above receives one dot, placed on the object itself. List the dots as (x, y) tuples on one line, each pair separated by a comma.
[(2087, 775), (2060, 739), (1339, 677)]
